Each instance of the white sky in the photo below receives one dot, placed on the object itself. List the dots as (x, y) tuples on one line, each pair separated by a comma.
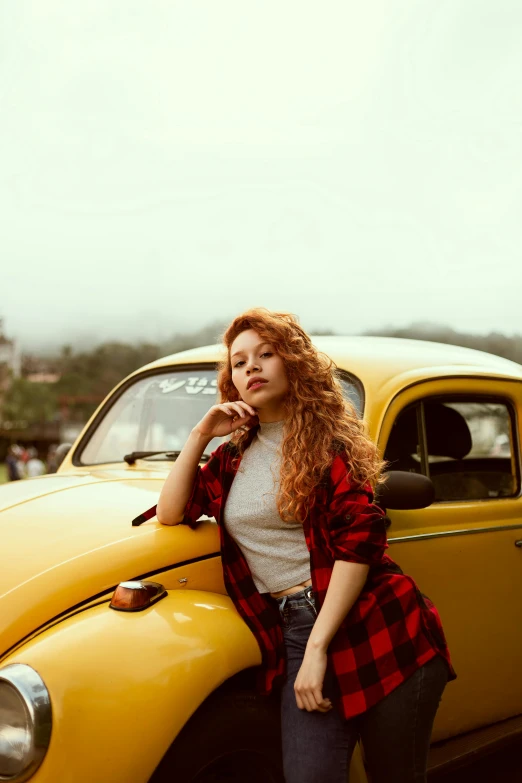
[(164, 164)]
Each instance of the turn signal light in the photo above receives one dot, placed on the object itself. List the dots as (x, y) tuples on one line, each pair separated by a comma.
[(136, 596)]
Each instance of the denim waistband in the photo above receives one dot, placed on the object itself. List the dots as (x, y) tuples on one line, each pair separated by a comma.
[(302, 598)]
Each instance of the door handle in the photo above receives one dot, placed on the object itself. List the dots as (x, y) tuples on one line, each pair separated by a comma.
[(519, 543)]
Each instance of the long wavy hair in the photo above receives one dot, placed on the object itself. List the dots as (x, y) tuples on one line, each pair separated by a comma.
[(319, 421)]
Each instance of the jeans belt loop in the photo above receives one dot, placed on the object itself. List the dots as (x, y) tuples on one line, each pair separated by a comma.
[(309, 595)]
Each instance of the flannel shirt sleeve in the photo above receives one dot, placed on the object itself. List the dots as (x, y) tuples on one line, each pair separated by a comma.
[(205, 498), (356, 525)]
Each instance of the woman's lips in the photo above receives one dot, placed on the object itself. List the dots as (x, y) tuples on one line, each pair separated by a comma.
[(257, 385)]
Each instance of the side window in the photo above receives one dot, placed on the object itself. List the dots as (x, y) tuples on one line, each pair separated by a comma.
[(465, 447)]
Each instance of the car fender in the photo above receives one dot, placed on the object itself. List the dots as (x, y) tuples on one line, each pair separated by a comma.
[(123, 684)]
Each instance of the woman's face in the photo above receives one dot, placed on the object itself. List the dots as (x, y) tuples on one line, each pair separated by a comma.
[(250, 357)]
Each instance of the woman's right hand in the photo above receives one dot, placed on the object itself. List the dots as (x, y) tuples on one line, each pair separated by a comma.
[(225, 418)]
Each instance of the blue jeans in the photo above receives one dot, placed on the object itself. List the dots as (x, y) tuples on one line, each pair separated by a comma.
[(395, 732)]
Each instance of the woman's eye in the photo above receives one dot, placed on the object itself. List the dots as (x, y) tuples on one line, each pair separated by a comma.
[(266, 353)]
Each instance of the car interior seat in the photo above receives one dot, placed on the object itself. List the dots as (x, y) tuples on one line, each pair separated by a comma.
[(448, 435)]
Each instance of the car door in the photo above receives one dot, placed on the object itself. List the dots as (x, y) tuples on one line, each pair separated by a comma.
[(464, 551)]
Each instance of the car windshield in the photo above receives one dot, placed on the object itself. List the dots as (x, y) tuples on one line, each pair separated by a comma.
[(157, 413)]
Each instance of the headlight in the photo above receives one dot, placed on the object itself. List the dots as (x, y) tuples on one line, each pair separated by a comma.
[(25, 722)]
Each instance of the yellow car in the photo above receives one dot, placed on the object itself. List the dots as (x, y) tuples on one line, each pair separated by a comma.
[(122, 658)]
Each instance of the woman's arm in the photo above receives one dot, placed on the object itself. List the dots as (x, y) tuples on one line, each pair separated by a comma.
[(357, 540), (191, 491), (178, 486), (346, 583), (356, 535)]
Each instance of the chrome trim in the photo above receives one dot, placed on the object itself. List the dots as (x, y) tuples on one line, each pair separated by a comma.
[(131, 585), (36, 699), (444, 533)]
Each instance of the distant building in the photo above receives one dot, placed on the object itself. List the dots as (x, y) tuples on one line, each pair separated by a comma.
[(43, 377), (40, 369), (10, 359), (14, 365)]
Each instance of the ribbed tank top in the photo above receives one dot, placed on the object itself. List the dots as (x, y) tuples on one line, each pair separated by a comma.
[(275, 551)]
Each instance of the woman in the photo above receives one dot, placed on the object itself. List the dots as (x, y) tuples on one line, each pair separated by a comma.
[(356, 648)]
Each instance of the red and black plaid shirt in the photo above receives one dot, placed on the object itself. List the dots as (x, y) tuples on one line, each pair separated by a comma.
[(391, 630)]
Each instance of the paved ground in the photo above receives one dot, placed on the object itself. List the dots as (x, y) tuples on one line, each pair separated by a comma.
[(502, 767)]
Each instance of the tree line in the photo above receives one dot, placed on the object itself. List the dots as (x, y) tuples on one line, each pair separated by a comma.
[(87, 376)]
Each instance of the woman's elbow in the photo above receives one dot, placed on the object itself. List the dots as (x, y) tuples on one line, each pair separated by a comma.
[(165, 520)]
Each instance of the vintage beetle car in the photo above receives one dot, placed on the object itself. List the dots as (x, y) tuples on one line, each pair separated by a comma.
[(166, 693)]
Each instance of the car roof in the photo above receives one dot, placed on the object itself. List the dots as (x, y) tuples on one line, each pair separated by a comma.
[(377, 360)]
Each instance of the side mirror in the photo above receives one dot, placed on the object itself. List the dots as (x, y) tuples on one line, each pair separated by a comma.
[(404, 490)]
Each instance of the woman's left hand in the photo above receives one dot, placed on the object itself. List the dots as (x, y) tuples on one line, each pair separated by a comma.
[(308, 684)]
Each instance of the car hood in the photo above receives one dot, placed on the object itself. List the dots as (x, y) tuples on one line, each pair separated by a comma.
[(67, 538)]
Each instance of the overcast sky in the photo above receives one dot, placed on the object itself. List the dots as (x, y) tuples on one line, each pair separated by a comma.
[(164, 164)]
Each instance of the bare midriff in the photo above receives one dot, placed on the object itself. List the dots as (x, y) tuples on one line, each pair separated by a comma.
[(290, 590)]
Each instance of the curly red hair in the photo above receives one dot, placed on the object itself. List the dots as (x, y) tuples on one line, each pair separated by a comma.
[(319, 421)]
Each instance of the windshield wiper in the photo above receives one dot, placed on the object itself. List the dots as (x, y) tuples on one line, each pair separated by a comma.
[(131, 458)]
